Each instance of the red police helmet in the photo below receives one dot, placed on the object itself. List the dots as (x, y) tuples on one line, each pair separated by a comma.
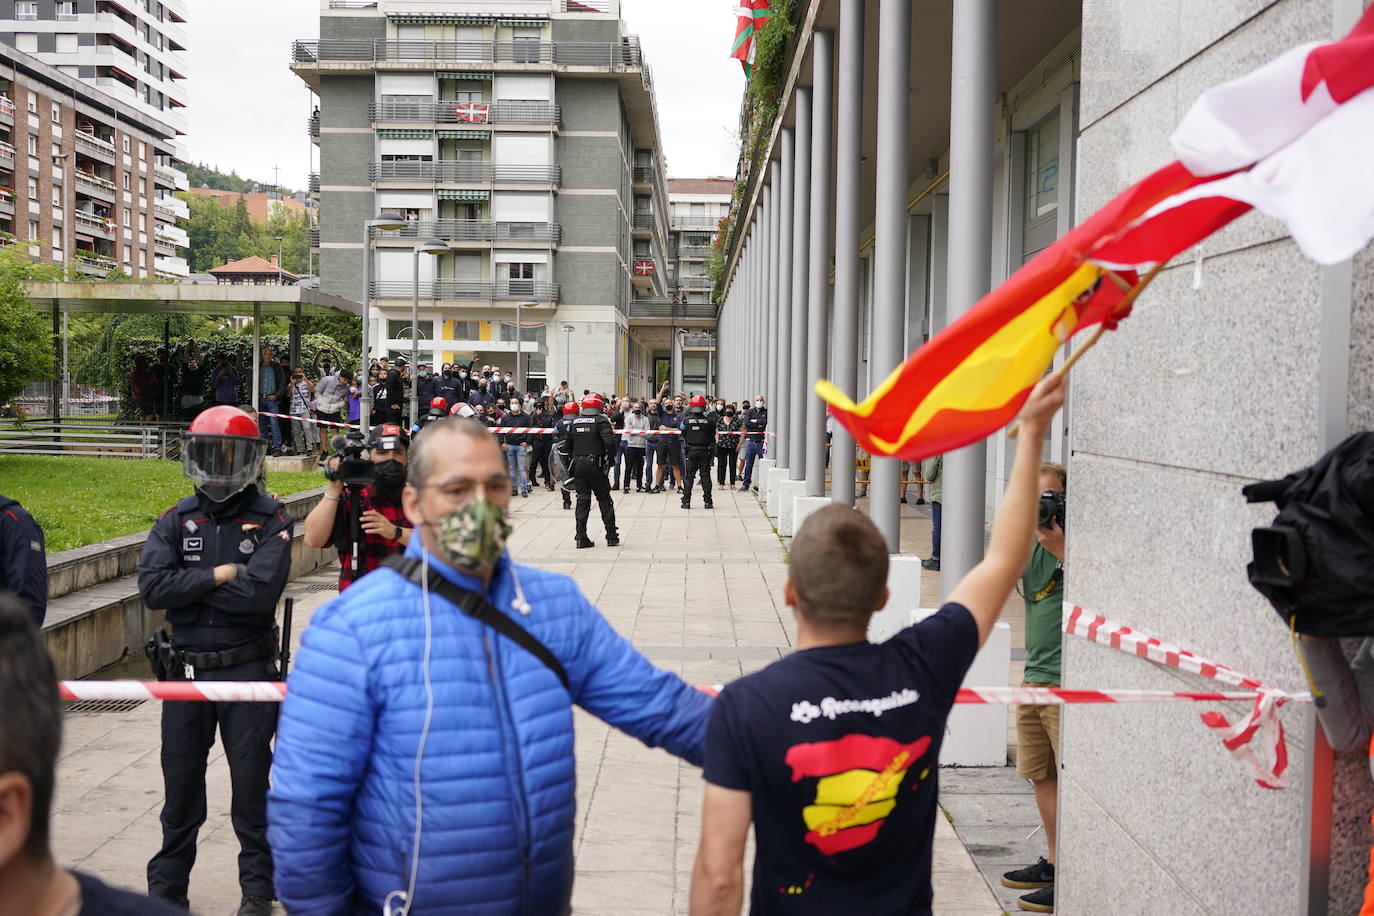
[(222, 452), (569, 408), (698, 401), (593, 402), (438, 404)]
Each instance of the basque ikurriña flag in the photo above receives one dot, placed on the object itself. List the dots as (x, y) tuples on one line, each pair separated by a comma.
[(750, 17), (1291, 139)]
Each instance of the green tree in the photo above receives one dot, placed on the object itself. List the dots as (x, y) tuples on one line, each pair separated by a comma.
[(28, 351)]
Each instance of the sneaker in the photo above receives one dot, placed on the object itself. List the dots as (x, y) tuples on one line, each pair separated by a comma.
[(1041, 901), (612, 540), (255, 906), (686, 504), (1041, 874), (626, 490), (934, 563), (525, 495), (584, 542), (710, 506)]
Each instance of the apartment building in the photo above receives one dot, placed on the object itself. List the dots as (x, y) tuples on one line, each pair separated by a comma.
[(85, 176), (131, 50), (524, 134)]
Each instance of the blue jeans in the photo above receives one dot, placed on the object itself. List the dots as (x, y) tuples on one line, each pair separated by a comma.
[(270, 426), (619, 457), (935, 530), (515, 458), (752, 450)]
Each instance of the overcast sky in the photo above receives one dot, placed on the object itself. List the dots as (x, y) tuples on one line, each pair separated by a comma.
[(248, 110)]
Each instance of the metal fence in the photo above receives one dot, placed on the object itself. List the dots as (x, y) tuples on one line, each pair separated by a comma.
[(91, 438)]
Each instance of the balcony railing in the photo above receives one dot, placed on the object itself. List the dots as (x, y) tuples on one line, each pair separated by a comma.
[(314, 238), (352, 4), (584, 6), (699, 340), (476, 113), (313, 182), (94, 184), (644, 174), (312, 127), (7, 154), (95, 264), (472, 230), (614, 55), (7, 111), (454, 171), (695, 222), (667, 308), (169, 177), (693, 251), (536, 290), (91, 144), (93, 223), (644, 220), (695, 282)]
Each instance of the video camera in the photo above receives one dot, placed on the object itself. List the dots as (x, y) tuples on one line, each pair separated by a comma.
[(354, 470), (1052, 510)]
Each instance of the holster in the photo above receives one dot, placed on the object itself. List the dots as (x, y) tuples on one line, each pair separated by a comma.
[(160, 653)]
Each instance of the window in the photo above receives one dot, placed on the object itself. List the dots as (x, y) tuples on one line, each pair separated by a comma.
[(33, 230), (57, 238), (33, 189), (66, 9), (142, 221), (56, 196), (128, 256), (521, 280), (33, 145), (127, 184), (27, 41), (127, 220), (66, 43), (33, 99), (26, 9), (142, 156), (56, 113), (126, 143)]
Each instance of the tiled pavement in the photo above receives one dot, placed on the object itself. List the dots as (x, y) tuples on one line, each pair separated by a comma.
[(638, 809)]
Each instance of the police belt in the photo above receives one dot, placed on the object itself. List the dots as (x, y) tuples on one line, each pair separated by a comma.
[(266, 647)]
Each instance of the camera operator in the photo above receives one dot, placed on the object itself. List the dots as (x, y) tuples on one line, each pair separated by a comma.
[(364, 495), (1037, 727)]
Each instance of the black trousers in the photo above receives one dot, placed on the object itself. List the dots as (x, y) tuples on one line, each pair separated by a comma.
[(188, 733), (539, 461), (698, 466), (725, 458), (634, 468), (589, 478)]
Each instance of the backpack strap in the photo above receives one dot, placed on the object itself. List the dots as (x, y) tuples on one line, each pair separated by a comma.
[(480, 609)]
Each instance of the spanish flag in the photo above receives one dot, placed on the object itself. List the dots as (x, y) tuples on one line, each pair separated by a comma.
[(1290, 140)]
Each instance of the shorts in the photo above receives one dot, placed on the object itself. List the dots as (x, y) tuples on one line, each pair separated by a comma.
[(1037, 740)]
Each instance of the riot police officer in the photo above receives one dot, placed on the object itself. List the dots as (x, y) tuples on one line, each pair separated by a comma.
[(217, 562), (699, 436), (562, 452), (593, 444)]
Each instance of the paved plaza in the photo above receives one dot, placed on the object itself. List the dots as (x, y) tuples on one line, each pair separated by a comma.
[(699, 592)]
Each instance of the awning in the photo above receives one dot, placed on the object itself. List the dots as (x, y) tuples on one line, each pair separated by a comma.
[(446, 194), (526, 23), (463, 134), (184, 298), (465, 75), (440, 19), (405, 134)]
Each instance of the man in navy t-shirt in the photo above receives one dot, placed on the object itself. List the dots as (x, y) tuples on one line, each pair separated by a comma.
[(833, 751)]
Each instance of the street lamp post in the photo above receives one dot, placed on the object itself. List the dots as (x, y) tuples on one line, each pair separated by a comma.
[(520, 380), (387, 221), (433, 247), (567, 352)]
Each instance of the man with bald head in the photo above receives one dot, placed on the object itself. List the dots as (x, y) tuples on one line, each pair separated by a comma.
[(425, 752)]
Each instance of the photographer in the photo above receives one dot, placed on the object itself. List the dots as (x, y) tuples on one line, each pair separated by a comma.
[(1037, 727), (371, 495)]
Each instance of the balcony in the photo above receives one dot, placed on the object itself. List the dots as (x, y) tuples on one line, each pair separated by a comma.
[(693, 251), (7, 153), (668, 309), (6, 202), (603, 54), (475, 113), (7, 111), (94, 264), (99, 226), (535, 290), (170, 178), (314, 234), (448, 171), (95, 186), (700, 341), (164, 247), (173, 267), (644, 174), (695, 282), (584, 6), (312, 127), (352, 4), (644, 221), (471, 230), (95, 147), (118, 89), (312, 182), (173, 235), (170, 209)]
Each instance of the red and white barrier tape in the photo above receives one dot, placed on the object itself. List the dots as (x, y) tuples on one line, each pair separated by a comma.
[(275, 691), (505, 430), (1263, 719), (287, 416)]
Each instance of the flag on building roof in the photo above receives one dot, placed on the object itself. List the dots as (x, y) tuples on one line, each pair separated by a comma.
[(750, 17), (1290, 140)]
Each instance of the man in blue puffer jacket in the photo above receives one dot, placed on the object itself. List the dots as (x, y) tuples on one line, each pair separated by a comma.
[(386, 674)]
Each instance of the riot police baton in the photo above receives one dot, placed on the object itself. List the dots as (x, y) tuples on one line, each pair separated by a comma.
[(286, 636)]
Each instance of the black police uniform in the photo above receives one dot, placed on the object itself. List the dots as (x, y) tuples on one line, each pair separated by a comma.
[(562, 447), (23, 560), (593, 442), (220, 633), (699, 436)]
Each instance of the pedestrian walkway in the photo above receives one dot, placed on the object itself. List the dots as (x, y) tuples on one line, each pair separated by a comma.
[(698, 591)]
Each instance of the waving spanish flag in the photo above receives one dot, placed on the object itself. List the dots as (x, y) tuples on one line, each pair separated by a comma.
[(1290, 139)]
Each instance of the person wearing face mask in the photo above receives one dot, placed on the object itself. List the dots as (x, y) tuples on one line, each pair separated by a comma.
[(635, 446), (727, 444), (378, 505), (426, 386), (699, 440), (217, 562), (485, 662), (755, 423)]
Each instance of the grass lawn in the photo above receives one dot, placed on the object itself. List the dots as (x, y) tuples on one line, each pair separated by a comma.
[(81, 501)]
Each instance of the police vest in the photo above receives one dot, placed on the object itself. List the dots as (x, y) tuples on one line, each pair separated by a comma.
[(585, 433), (696, 431), (207, 543)]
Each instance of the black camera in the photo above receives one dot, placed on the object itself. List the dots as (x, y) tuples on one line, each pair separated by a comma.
[(354, 470), (1051, 510)]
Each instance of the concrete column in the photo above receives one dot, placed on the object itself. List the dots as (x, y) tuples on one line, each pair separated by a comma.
[(889, 249), (794, 426), (848, 153), (766, 297), (818, 281), (778, 410), (775, 380), (971, 125)]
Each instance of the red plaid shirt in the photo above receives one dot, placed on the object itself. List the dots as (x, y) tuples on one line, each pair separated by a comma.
[(375, 548)]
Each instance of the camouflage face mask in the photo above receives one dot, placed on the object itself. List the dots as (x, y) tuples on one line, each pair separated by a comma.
[(474, 536)]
